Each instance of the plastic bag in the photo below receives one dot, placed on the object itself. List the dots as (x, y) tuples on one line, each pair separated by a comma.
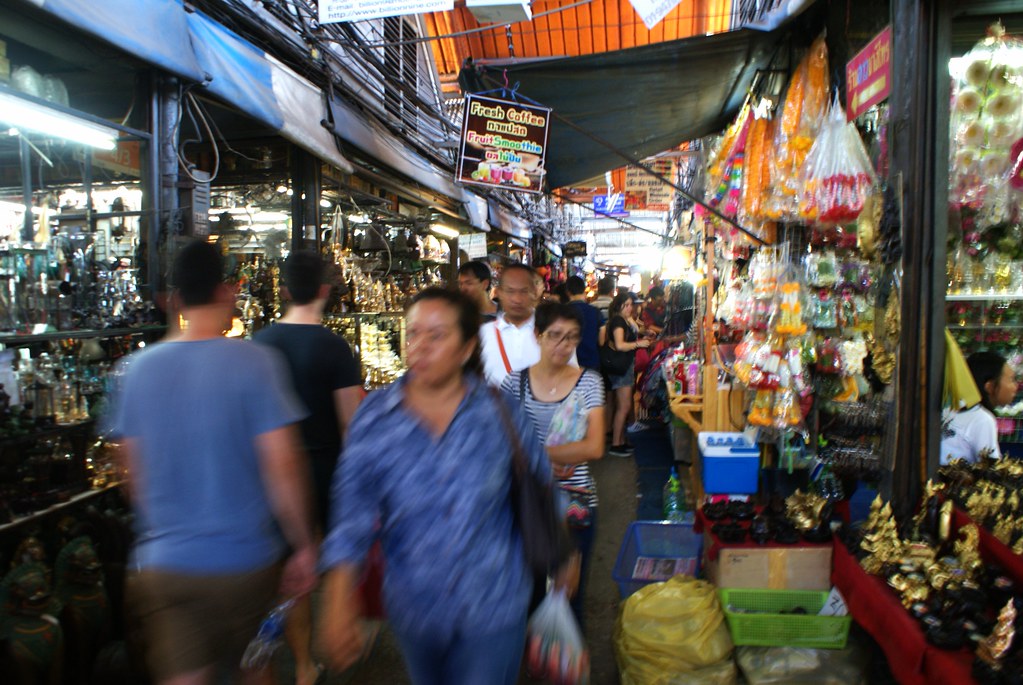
[(836, 176), (268, 639), (674, 633), (569, 422), (794, 665), (798, 124), (985, 123), (555, 649)]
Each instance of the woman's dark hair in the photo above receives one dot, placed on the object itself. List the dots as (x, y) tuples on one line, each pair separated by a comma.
[(985, 366), (549, 312), (617, 305), (468, 319)]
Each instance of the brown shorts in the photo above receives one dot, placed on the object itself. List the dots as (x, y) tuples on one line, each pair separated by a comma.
[(192, 621)]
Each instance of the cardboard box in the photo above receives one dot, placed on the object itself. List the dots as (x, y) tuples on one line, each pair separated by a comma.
[(771, 568)]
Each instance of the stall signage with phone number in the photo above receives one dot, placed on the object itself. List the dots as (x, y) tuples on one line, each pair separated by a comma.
[(503, 144)]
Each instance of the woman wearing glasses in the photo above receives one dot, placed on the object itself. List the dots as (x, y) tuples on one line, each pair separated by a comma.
[(566, 406)]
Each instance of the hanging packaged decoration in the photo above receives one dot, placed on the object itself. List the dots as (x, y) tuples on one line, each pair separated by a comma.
[(837, 176), (801, 115), (986, 129)]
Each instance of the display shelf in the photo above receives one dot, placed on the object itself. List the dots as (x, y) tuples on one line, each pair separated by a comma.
[(982, 297), (59, 429), (986, 327), (80, 334), (72, 501)]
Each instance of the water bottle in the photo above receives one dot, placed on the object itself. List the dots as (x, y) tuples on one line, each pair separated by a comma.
[(674, 499), (268, 639)]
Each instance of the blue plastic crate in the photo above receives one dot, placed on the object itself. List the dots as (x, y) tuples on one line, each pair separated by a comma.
[(655, 540)]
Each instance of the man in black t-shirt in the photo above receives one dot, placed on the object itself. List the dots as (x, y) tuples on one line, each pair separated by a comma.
[(326, 378)]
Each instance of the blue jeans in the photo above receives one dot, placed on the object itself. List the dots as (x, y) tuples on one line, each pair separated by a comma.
[(583, 539), (474, 659)]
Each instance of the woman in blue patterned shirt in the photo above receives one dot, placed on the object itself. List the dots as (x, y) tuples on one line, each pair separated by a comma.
[(426, 470)]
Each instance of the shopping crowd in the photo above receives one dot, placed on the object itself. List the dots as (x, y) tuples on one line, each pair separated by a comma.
[(241, 499)]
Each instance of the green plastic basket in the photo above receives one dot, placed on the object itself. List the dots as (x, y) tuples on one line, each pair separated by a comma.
[(766, 626)]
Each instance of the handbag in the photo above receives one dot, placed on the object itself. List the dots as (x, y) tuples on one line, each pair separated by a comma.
[(613, 362), (577, 512), (545, 541)]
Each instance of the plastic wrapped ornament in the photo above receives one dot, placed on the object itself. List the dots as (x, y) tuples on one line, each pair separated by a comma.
[(790, 310)]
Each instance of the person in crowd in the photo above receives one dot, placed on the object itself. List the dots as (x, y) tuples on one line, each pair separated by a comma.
[(587, 352), (326, 378), (553, 388), (972, 434), (216, 475), (623, 336), (427, 471), (654, 311), (509, 342), (605, 293), (475, 279)]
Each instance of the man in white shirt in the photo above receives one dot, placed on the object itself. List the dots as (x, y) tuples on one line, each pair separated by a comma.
[(509, 343)]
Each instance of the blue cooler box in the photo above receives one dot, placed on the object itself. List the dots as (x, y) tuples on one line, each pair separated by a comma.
[(730, 464)]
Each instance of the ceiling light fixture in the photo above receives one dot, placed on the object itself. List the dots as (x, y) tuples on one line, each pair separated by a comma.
[(444, 231), (28, 115)]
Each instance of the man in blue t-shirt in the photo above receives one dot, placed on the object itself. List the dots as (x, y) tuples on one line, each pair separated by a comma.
[(216, 476), (588, 351)]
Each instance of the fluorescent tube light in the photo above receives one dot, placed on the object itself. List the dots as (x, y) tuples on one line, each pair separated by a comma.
[(444, 231), (31, 116)]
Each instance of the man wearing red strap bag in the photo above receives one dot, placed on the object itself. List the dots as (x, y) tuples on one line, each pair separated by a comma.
[(509, 343)]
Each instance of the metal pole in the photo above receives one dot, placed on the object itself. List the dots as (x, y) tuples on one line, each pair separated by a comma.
[(25, 153)]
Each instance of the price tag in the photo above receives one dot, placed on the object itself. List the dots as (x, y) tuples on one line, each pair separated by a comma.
[(834, 605)]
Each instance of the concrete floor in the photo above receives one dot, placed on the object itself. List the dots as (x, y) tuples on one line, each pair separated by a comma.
[(616, 487)]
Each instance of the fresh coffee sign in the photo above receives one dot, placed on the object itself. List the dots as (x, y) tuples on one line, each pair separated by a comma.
[(504, 144)]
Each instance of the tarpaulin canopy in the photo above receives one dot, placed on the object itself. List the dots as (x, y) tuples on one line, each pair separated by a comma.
[(642, 100)]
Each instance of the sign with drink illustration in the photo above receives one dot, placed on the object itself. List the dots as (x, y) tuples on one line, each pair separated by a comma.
[(503, 144)]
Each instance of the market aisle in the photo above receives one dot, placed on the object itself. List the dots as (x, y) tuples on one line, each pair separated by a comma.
[(616, 484)]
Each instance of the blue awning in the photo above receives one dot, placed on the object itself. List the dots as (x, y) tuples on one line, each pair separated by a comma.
[(187, 43), (193, 46)]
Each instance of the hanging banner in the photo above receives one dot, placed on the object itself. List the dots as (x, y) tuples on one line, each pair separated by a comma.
[(334, 11), (610, 205), (643, 191), (869, 75), (503, 144), (474, 244)]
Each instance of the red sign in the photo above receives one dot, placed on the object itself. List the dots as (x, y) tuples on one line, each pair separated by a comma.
[(869, 75)]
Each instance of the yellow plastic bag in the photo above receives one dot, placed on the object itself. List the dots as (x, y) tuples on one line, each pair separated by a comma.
[(674, 633)]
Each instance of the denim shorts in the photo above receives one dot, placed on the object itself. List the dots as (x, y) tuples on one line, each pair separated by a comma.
[(625, 380)]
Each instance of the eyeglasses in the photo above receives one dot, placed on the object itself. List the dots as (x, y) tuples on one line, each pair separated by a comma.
[(571, 338)]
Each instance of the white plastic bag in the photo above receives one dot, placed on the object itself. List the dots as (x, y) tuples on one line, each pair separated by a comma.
[(555, 649)]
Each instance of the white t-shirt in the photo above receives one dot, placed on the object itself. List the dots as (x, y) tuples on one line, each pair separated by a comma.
[(520, 345), (968, 433)]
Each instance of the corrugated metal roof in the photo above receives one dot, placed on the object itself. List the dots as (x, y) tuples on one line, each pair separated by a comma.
[(582, 29)]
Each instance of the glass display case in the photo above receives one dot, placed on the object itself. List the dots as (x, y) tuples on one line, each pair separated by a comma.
[(378, 342)]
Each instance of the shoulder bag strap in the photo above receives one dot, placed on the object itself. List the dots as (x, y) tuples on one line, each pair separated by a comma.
[(500, 346), (523, 380), (519, 462)]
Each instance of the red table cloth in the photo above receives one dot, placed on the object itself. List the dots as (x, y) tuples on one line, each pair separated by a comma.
[(877, 608)]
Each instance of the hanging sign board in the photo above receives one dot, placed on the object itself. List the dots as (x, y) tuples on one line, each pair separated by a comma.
[(503, 144), (869, 75), (643, 191), (574, 248), (653, 11), (474, 244), (610, 205), (334, 11)]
